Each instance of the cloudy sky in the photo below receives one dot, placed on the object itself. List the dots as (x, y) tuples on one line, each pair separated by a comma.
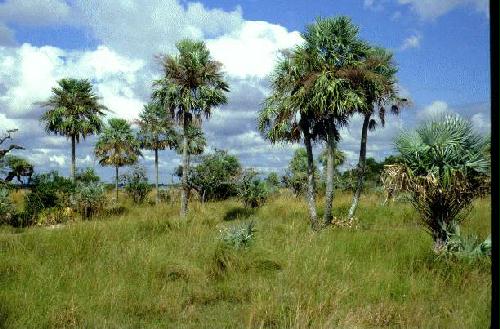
[(440, 46)]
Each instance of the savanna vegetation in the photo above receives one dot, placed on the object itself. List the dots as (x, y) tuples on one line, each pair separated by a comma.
[(401, 242)]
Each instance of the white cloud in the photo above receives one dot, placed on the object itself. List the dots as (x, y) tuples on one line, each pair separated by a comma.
[(412, 41), (432, 9), (435, 109), (252, 50), (35, 12)]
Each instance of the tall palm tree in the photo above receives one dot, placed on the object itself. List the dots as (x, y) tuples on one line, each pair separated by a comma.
[(376, 79), (191, 86), (117, 147), (332, 45), (196, 141), (74, 111), (155, 133)]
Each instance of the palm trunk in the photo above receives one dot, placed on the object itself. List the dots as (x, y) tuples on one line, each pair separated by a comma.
[(310, 182), (116, 183), (157, 200), (361, 167), (330, 166), (73, 158), (185, 168)]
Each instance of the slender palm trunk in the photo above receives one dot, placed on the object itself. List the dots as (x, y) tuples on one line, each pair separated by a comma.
[(116, 182), (330, 165), (73, 158), (157, 200), (185, 168), (310, 182), (361, 167)]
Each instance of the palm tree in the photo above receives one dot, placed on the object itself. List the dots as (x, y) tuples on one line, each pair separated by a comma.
[(117, 147), (444, 167), (376, 80), (192, 84), (332, 45), (196, 141), (73, 111), (155, 133)]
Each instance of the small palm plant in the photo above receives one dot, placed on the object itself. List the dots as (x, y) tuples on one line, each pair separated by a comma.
[(445, 168)]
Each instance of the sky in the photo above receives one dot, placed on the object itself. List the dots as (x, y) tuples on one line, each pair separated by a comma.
[(441, 48)]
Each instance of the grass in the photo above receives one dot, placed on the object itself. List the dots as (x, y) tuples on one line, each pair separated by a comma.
[(148, 269)]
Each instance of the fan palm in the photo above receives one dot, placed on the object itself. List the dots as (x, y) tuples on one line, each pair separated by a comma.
[(375, 78), (445, 168), (191, 86), (155, 133), (117, 147), (73, 111)]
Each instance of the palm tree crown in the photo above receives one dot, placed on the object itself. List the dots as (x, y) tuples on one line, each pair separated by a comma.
[(156, 131), (74, 110), (117, 145)]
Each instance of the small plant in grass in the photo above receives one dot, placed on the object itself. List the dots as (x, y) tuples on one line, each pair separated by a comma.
[(136, 184), (251, 190), (239, 236), (464, 246), (90, 199)]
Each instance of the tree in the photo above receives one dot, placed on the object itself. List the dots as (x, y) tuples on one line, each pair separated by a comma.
[(19, 167), (117, 147), (73, 111), (3, 138), (308, 98), (376, 80), (191, 86), (196, 141), (297, 172), (155, 133), (444, 167)]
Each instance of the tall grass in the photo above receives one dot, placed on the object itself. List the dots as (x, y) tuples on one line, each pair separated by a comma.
[(148, 269)]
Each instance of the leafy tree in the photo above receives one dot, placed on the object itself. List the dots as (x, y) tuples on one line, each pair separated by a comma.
[(156, 133), (117, 147), (215, 176), (191, 86), (18, 167), (87, 176), (136, 183), (73, 111), (297, 173), (444, 168), (273, 180), (376, 80)]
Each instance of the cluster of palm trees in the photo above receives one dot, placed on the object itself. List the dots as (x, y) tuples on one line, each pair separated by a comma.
[(191, 86), (316, 89)]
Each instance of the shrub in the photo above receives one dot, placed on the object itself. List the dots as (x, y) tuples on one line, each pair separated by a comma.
[(465, 246), (87, 176), (240, 236), (444, 167), (251, 190), (90, 198), (136, 184), (7, 209), (49, 190)]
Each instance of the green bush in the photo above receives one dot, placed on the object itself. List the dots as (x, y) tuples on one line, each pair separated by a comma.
[(87, 175), (90, 198), (50, 190), (136, 184), (251, 190), (239, 236)]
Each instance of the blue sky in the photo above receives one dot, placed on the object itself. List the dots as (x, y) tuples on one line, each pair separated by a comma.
[(441, 48)]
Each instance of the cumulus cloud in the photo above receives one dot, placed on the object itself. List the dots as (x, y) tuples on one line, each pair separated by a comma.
[(252, 50), (413, 41), (35, 12), (432, 9), (433, 110)]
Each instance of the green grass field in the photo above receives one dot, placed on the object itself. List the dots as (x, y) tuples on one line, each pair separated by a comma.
[(148, 269)]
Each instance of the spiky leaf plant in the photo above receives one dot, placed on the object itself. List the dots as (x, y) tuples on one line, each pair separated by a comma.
[(444, 169)]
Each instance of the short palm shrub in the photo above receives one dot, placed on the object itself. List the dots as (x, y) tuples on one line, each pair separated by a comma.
[(136, 184), (444, 167), (251, 190), (465, 246), (7, 209), (89, 199), (239, 236)]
